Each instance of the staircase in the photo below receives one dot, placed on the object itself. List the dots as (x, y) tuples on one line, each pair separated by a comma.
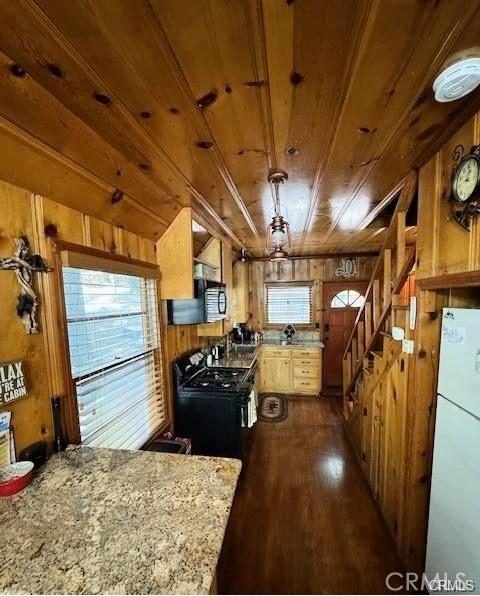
[(386, 302)]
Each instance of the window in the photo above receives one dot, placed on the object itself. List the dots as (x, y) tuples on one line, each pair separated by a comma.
[(345, 298), (289, 303), (114, 354)]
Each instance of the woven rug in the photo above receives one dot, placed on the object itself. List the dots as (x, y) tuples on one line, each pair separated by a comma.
[(273, 408)]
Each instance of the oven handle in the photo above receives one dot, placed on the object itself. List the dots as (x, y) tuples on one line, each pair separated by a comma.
[(244, 412)]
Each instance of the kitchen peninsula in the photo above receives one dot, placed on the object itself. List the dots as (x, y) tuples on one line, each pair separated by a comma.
[(113, 521)]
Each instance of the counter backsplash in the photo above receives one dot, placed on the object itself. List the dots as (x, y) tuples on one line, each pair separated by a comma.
[(276, 335)]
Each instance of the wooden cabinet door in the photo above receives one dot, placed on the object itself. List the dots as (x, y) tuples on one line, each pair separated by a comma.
[(276, 375), (240, 292)]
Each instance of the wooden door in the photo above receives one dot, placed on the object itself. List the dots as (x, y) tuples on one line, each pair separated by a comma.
[(341, 301)]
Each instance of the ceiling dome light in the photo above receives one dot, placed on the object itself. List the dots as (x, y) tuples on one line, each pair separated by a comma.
[(457, 80)]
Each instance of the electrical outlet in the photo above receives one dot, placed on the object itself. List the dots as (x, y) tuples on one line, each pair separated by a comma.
[(408, 346)]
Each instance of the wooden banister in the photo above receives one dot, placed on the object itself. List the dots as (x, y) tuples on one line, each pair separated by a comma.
[(390, 273), (399, 282), (372, 293)]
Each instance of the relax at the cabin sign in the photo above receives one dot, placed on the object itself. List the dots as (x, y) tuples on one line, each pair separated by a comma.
[(12, 382)]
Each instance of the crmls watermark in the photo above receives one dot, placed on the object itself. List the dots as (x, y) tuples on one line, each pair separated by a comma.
[(412, 582)]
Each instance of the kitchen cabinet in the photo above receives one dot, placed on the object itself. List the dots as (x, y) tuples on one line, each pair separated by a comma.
[(290, 370), (275, 374), (175, 258), (219, 254), (240, 293)]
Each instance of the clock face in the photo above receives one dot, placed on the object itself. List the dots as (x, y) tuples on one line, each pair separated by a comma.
[(466, 179)]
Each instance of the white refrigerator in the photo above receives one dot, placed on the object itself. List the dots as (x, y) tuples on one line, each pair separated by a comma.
[(453, 545)]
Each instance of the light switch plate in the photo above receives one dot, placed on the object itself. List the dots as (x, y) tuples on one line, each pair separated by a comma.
[(408, 346), (413, 312), (398, 334)]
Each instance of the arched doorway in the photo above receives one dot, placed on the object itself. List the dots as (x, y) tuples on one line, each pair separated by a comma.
[(341, 301)]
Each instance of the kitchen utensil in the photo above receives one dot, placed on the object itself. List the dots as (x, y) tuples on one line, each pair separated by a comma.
[(15, 477)]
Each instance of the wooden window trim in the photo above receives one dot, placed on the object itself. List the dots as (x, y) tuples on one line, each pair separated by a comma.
[(289, 284), (85, 257)]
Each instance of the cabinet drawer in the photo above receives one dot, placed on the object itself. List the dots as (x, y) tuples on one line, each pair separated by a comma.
[(307, 353), (310, 362), (306, 385), (276, 353), (312, 372)]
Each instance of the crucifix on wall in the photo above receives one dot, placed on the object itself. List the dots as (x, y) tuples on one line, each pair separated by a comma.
[(24, 263)]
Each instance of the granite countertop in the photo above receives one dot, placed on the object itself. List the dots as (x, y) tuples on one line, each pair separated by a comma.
[(295, 344), (236, 358), (111, 521)]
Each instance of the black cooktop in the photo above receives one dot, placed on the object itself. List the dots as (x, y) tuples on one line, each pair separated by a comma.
[(225, 379)]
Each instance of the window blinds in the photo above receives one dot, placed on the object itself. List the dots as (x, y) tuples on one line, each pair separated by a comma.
[(289, 303), (113, 340)]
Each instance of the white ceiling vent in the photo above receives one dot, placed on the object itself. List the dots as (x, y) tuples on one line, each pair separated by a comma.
[(457, 80)]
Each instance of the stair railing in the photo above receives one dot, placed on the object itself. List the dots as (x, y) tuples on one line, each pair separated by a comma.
[(390, 273)]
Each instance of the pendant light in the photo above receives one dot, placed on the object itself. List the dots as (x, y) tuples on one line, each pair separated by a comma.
[(279, 243)]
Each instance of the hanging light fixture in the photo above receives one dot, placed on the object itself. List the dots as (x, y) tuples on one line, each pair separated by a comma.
[(278, 231)]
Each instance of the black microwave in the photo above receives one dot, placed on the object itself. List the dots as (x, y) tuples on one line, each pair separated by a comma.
[(209, 304)]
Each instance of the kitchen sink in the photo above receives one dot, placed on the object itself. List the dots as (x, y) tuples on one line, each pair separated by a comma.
[(243, 349)]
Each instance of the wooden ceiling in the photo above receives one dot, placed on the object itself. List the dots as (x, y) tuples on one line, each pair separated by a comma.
[(174, 102)]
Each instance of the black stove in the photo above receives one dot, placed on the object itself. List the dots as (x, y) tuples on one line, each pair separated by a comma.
[(211, 406), (223, 379)]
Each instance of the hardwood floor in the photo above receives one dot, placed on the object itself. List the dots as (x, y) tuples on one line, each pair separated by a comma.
[(303, 520)]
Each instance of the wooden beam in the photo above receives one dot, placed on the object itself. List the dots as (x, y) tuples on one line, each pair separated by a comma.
[(354, 358), (368, 322), (387, 275), (465, 279), (376, 301), (401, 240), (361, 339), (324, 255)]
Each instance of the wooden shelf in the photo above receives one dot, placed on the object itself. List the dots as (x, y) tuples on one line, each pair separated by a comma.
[(465, 279), (205, 278), (196, 260)]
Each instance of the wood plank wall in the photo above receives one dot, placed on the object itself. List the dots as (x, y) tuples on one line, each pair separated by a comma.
[(392, 423), (443, 247), (318, 270), (25, 213)]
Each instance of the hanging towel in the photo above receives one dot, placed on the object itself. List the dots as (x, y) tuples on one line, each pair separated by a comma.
[(252, 409)]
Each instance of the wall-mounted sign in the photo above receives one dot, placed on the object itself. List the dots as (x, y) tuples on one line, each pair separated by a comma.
[(347, 268), (12, 382)]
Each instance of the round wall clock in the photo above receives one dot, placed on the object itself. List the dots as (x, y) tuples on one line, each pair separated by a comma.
[(465, 196), (466, 180)]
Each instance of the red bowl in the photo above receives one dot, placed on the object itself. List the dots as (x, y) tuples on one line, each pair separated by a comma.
[(15, 477)]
